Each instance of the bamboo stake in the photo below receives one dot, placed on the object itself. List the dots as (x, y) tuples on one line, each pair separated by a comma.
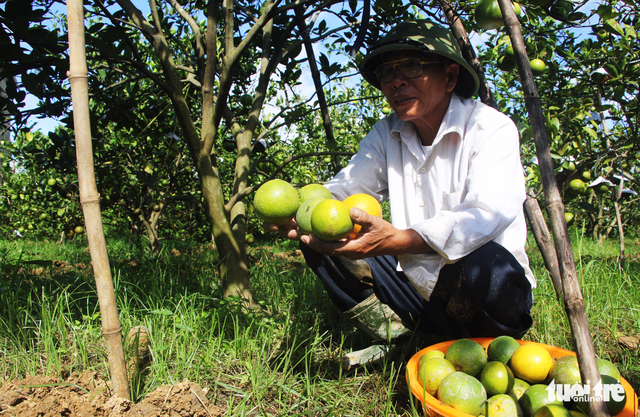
[(544, 242), (574, 303), (90, 199)]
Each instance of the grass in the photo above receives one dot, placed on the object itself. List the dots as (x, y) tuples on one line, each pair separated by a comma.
[(283, 359)]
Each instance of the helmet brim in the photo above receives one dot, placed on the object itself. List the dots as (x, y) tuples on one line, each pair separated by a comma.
[(422, 36)]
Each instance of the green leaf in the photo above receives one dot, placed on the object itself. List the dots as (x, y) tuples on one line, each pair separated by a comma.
[(590, 132), (163, 312), (613, 26), (630, 31)]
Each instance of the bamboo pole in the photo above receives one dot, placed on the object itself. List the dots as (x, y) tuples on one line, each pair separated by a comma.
[(574, 303), (90, 199), (544, 242)]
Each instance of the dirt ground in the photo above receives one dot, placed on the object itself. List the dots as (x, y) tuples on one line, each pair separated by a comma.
[(87, 395)]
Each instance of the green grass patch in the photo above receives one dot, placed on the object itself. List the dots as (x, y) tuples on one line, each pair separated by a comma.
[(281, 359)]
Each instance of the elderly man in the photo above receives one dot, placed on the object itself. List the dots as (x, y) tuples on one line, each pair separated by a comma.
[(452, 261)]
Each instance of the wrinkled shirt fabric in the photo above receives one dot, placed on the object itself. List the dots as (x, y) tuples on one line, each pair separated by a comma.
[(463, 191)]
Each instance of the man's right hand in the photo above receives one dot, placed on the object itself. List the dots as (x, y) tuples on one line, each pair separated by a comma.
[(289, 229)]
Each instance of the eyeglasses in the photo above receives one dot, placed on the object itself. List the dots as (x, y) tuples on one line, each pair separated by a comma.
[(409, 67)]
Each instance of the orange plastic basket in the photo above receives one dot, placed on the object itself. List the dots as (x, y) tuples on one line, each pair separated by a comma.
[(434, 408)]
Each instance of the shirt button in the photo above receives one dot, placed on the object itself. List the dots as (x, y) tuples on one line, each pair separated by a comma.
[(423, 170), (421, 203)]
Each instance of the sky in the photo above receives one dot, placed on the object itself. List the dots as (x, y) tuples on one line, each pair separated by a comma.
[(306, 89)]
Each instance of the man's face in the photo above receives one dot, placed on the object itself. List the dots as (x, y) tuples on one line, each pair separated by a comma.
[(423, 98)]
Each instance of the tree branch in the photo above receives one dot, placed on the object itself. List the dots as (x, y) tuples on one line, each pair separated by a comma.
[(200, 49)]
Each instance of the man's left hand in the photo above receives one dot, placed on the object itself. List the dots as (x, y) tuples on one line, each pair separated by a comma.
[(376, 237)]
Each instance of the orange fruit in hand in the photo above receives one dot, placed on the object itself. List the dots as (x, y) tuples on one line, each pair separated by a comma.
[(276, 201), (330, 220), (310, 191), (366, 203)]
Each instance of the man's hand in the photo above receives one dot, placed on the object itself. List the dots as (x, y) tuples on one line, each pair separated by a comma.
[(377, 237), (289, 229)]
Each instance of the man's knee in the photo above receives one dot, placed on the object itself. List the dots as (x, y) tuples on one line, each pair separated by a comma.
[(487, 292)]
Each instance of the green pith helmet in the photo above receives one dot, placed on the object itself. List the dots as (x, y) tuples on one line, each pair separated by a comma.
[(425, 36)]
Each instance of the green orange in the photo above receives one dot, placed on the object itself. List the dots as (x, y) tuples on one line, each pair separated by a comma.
[(462, 392), (606, 367), (535, 398), (552, 410), (538, 66), (501, 405), (310, 191), (577, 185), (276, 201), (519, 388), (429, 355), (501, 348), (566, 371), (616, 400), (303, 215), (489, 15), (497, 378), (330, 220), (467, 356), (432, 372)]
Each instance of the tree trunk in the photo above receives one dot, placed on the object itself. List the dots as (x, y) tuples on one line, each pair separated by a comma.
[(90, 199), (233, 270), (574, 303), (154, 242), (460, 33)]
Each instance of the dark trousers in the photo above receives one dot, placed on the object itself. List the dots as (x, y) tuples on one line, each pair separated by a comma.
[(484, 294)]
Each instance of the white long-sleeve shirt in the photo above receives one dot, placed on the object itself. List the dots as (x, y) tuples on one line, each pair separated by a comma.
[(465, 190)]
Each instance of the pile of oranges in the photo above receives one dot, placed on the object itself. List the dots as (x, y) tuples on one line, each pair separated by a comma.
[(509, 378)]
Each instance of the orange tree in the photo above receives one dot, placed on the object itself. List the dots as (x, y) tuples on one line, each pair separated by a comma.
[(218, 64), (39, 190), (200, 73), (222, 79), (590, 95)]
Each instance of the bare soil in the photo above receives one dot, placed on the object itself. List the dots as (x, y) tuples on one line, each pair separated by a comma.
[(88, 395)]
